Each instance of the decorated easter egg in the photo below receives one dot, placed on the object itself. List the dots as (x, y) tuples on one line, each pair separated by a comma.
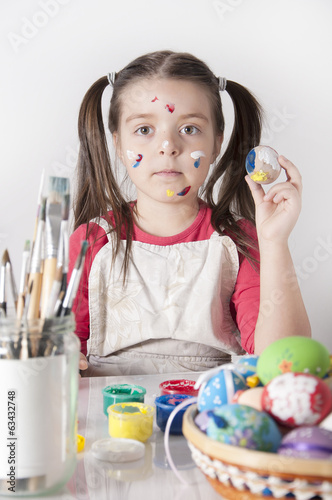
[(262, 165), (220, 389), (241, 425), (307, 442), (296, 399), (293, 354), (247, 364)]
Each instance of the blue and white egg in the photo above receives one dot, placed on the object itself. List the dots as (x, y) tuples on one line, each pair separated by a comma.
[(220, 389)]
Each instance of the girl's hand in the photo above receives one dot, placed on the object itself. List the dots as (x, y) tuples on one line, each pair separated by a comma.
[(83, 363), (277, 211)]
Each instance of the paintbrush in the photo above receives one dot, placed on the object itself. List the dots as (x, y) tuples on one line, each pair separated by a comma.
[(9, 269), (22, 290), (60, 281), (3, 284), (74, 281), (36, 267), (39, 204), (59, 186)]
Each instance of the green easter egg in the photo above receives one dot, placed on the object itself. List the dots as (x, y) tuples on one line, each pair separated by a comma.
[(293, 354)]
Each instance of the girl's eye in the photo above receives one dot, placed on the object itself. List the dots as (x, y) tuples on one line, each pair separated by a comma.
[(189, 130), (143, 130)]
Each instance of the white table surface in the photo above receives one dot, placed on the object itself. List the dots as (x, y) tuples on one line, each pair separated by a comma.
[(152, 478)]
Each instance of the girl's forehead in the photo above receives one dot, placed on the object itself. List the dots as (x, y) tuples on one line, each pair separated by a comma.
[(158, 93)]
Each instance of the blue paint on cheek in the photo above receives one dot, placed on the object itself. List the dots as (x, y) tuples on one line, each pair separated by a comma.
[(138, 161), (197, 163)]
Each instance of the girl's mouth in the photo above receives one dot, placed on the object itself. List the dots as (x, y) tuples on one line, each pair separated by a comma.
[(168, 173)]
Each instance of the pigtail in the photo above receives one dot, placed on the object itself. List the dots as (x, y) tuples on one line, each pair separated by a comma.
[(97, 189), (234, 199)]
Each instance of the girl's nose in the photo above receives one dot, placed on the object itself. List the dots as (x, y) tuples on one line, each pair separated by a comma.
[(169, 148)]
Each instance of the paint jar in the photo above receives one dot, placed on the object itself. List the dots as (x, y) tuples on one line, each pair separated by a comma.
[(181, 386), (122, 393), (38, 405), (131, 421), (165, 405)]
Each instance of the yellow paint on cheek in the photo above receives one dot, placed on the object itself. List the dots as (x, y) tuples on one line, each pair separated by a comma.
[(169, 193)]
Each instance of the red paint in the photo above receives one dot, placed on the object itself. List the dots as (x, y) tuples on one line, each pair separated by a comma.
[(155, 99), (184, 191), (170, 107), (139, 158), (178, 387)]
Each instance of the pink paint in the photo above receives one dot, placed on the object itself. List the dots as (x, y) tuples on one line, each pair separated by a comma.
[(170, 107)]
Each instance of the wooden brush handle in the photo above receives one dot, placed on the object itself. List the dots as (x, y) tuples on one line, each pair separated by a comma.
[(36, 280), (49, 273)]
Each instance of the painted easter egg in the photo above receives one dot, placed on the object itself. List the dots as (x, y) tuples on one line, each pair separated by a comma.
[(293, 354), (296, 399), (220, 389), (247, 366), (308, 443), (262, 165), (241, 425)]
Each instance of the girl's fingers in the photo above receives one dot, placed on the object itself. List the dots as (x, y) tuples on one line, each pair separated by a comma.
[(292, 172), (256, 190)]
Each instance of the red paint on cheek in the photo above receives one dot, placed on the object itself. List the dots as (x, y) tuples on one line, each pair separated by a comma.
[(155, 99), (170, 107)]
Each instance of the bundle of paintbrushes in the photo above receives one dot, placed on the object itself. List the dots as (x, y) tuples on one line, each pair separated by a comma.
[(43, 291)]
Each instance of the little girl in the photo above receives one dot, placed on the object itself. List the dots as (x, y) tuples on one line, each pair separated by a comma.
[(178, 279)]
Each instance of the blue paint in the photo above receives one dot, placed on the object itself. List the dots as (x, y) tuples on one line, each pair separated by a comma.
[(197, 163), (138, 161), (250, 161)]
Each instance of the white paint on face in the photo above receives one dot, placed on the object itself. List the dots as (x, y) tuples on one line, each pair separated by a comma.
[(131, 155), (197, 154), (165, 144)]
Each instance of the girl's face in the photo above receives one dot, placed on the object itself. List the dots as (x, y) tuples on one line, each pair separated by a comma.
[(166, 139)]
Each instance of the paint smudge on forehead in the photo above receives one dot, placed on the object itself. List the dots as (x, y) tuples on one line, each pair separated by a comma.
[(155, 99), (197, 156), (184, 191), (170, 107), (138, 160)]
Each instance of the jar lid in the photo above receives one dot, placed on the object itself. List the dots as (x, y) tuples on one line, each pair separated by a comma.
[(118, 450)]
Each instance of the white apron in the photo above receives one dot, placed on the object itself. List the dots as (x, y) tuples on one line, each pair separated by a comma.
[(173, 313)]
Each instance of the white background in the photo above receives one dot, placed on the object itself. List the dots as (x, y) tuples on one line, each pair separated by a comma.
[(53, 50)]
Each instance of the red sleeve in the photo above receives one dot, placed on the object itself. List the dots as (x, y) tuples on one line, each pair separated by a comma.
[(245, 300), (97, 239)]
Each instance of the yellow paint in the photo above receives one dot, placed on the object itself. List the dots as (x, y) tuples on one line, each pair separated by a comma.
[(80, 443), (131, 424), (252, 381), (169, 192), (260, 176)]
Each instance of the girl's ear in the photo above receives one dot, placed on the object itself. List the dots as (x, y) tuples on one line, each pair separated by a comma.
[(217, 147), (116, 144)]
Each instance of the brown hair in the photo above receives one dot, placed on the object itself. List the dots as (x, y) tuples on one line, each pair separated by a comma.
[(97, 189)]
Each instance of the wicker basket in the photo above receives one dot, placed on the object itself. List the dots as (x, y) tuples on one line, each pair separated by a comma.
[(239, 473)]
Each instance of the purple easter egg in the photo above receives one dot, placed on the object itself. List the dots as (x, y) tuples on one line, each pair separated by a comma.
[(307, 442)]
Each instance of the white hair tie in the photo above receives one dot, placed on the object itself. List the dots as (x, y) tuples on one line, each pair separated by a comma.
[(222, 83), (111, 78)]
